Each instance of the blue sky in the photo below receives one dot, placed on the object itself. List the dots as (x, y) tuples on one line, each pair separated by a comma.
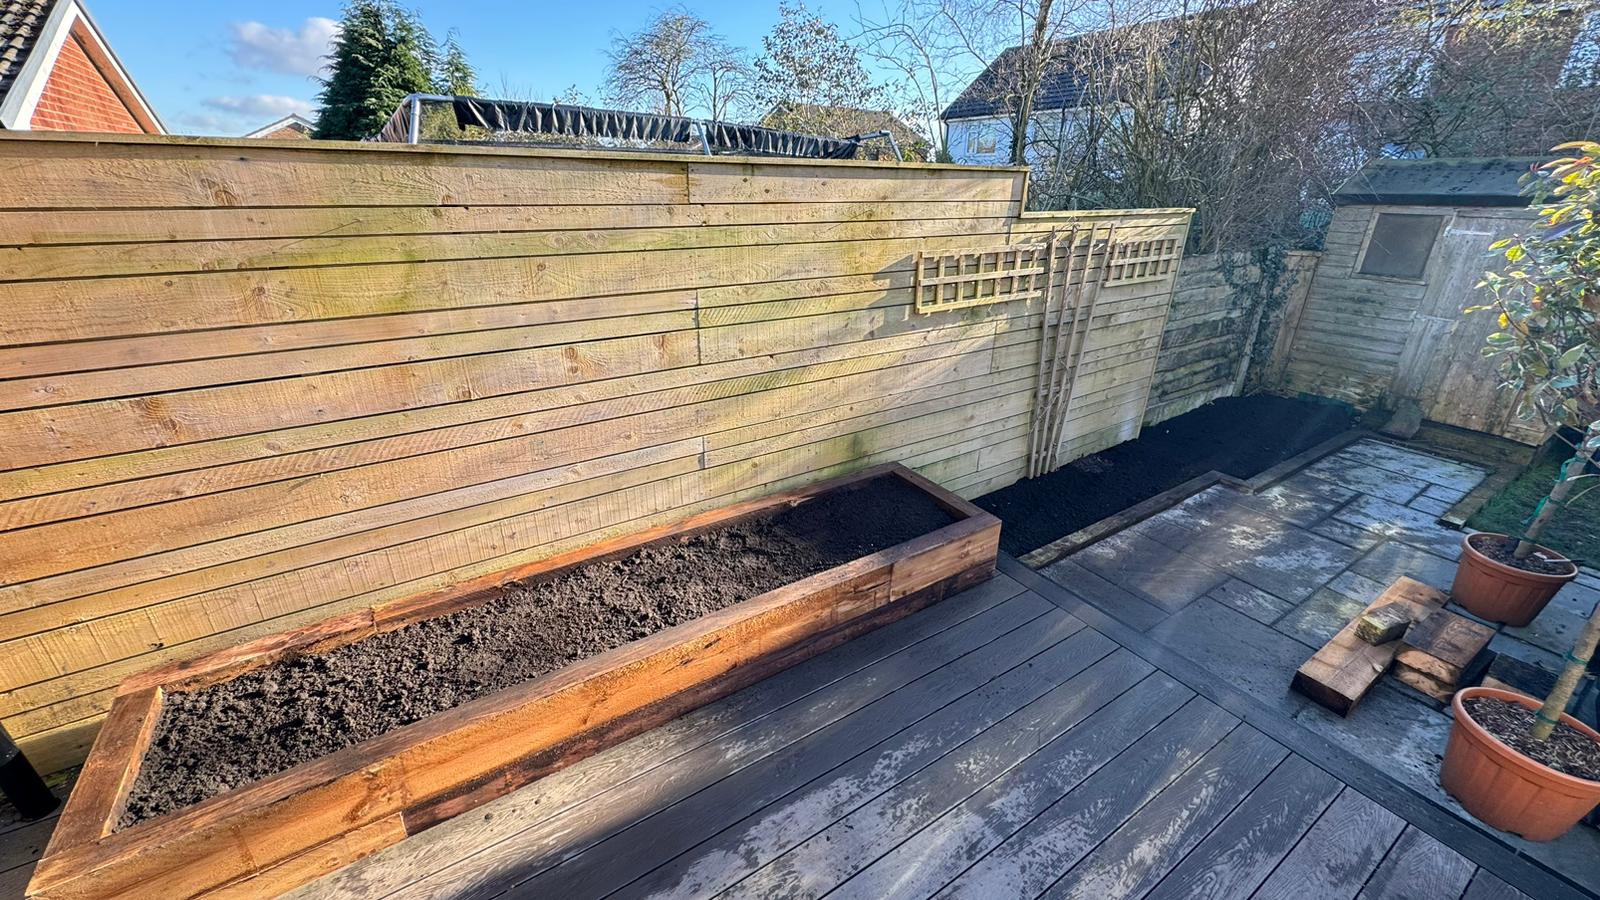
[(226, 68)]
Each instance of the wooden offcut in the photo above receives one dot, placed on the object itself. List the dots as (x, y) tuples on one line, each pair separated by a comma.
[(1341, 673), (1436, 652), (285, 830), (1382, 624)]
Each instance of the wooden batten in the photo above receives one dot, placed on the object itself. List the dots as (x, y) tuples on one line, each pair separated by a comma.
[(295, 826), (246, 389)]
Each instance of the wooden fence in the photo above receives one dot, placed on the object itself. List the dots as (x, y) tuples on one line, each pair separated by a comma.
[(248, 385)]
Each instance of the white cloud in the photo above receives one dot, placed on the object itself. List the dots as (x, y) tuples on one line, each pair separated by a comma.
[(270, 106), (285, 50)]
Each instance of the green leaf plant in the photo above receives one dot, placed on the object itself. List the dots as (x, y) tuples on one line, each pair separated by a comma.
[(1547, 299)]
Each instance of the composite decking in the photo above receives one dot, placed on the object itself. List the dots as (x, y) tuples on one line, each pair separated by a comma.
[(1004, 743)]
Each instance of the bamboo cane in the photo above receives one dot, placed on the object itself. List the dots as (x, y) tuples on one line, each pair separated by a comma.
[(1093, 296)]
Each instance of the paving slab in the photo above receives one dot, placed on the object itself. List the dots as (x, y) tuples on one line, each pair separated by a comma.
[(1300, 500), (1447, 494), (1391, 560), (1396, 733), (1359, 475), (1317, 620), (1431, 506), (1557, 627), (1252, 656), (1347, 534), (1252, 601), (1164, 576), (1413, 464), (1401, 523)]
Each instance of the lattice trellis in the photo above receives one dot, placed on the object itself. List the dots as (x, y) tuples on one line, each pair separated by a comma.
[(1150, 260), (953, 279)]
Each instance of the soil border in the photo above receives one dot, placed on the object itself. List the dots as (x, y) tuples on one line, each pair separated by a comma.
[(289, 829), (1144, 509)]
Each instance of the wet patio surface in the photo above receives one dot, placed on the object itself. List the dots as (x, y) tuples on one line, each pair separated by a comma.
[(1250, 585)]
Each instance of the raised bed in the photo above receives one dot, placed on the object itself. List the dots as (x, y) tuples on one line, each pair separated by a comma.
[(291, 827)]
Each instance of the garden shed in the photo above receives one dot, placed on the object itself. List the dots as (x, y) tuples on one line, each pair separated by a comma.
[(1382, 325)]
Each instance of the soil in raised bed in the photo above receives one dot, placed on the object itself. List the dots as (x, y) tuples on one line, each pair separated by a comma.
[(256, 725), (1567, 750), (1242, 436)]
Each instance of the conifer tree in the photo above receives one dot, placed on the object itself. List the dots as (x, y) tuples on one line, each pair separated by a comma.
[(382, 55)]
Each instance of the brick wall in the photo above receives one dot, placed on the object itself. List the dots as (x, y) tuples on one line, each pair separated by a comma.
[(77, 97)]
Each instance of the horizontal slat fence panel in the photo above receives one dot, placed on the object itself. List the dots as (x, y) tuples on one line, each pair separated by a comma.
[(247, 387)]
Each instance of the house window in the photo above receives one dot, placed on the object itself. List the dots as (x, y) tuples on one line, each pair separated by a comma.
[(1399, 245), (981, 141)]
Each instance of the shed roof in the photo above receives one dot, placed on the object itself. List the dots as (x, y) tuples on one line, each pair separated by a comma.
[(1483, 181)]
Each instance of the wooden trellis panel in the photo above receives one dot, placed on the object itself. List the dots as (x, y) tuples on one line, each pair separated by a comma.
[(954, 279), (1149, 260)]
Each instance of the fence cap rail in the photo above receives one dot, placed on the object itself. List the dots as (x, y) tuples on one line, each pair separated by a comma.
[(300, 144)]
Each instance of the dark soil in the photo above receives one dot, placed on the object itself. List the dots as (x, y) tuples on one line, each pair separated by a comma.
[(1567, 750), (263, 722), (1503, 550), (1241, 436)]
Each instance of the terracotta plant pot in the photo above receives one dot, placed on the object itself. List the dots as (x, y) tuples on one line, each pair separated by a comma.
[(1507, 789), (1502, 593)]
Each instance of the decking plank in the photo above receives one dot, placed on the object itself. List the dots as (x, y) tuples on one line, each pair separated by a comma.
[(1030, 860), (1337, 856), (1136, 856), (936, 854), (1239, 855), (825, 850), (1487, 886), (507, 860), (907, 733), (757, 720), (1419, 866)]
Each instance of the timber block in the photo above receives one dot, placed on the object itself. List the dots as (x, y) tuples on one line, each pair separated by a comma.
[(1443, 645), (1383, 624), (1341, 673)]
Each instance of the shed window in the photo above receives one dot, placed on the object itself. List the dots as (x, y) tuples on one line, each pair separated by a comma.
[(1400, 245)]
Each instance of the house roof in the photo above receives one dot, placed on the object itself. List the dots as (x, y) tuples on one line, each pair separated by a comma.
[(293, 120), (21, 24), (32, 33), (1485, 181), (1060, 88), (841, 121)]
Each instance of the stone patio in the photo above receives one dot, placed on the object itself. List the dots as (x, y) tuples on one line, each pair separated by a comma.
[(1250, 585)]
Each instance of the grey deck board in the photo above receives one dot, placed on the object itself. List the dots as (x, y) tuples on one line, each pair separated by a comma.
[(934, 856), (853, 842), (1238, 856), (1419, 866), (1030, 860), (1486, 886), (907, 730), (994, 745), (1336, 857), (1135, 857), (801, 758), (719, 739)]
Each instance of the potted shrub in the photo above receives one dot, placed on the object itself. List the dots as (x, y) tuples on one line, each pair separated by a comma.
[(1516, 763), (1546, 297)]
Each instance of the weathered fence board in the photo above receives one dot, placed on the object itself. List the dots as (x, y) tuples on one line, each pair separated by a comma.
[(243, 387)]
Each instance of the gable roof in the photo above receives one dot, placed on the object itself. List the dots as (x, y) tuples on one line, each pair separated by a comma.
[(293, 120), (1061, 87), (21, 22), (1485, 181), (32, 33)]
